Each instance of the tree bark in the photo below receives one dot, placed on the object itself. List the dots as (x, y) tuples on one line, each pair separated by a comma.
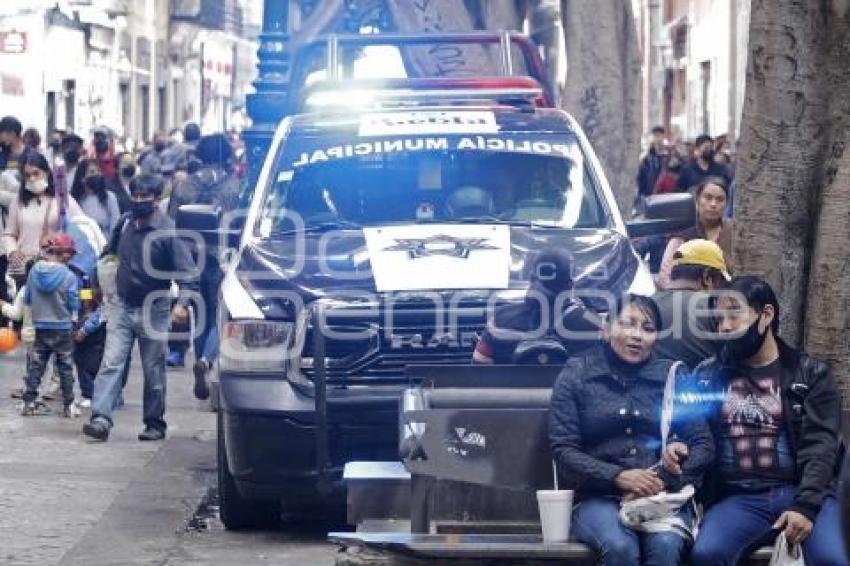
[(603, 88), (793, 178)]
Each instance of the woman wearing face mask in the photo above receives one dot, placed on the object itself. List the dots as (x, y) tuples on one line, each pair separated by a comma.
[(95, 200), (605, 432), (32, 214), (711, 198)]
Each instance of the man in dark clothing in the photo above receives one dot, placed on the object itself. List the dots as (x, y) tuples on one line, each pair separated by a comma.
[(686, 321), (775, 414), (542, 326), (214, 183), (652, 165), (702, 166), (14, 151), (145, 240), (72, 151)]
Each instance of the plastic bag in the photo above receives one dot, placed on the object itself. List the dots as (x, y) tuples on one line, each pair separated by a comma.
[(786, 554), (107, 280)]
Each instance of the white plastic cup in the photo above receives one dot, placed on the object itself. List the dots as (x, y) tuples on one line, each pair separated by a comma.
[(556, 508)]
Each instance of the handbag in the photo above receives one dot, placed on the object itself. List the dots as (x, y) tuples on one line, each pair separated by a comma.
[(785, 553)]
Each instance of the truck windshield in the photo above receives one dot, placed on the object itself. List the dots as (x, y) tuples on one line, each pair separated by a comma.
[(540, 181)]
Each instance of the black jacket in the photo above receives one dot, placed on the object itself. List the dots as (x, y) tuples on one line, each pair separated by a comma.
[(158, 246), (512, 324), (811, 406), (604, 421), (692, 175), (650, 169)]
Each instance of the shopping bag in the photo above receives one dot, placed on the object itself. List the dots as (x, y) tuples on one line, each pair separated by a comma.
[(785, 553)]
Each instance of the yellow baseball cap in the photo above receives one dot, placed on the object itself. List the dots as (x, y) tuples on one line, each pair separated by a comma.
[(702, 252)]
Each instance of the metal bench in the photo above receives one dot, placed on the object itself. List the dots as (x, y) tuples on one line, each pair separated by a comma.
[(475, 448)]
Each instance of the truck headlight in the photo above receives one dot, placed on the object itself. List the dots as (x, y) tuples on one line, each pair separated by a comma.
[(255, 346)]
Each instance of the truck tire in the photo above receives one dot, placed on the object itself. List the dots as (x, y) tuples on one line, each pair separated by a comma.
[(236, 512)]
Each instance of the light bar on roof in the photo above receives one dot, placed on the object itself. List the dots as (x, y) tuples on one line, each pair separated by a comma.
[(398, 92)]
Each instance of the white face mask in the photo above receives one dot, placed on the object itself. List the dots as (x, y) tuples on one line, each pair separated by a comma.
[(37, 187)]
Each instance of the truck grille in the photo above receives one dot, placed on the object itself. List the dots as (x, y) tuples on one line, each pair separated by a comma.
[(368, 350)]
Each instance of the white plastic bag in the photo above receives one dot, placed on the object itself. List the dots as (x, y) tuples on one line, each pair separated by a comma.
[(107, 274), (786, 554)]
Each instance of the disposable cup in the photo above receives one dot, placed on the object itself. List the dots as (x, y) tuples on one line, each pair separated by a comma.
[(556, 508)]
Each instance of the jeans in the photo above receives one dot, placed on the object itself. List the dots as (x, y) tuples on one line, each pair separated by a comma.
[(88, 355), (126, 324), (48, 342), (738, 524), (596, 522), (206, 341)]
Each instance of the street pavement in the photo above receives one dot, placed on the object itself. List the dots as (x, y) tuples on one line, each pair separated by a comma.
[(70, 501)]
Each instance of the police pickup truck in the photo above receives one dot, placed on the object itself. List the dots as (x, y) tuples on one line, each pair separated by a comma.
[(385, 225)]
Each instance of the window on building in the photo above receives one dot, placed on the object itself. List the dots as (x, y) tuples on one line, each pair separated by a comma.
[(69, 90), (144, 95), (705, 78)]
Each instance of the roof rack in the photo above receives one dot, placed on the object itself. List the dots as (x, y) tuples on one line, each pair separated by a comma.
[(505, 88)]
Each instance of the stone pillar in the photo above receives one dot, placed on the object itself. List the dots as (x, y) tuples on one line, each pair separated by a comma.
[(267, 106)]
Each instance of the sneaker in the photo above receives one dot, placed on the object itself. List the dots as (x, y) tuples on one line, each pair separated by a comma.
[(85, 403), (150, 434), (200, 369), (33, 409), (71, 411), (27, 409), (17, 393), (98, 430), (174, 359)]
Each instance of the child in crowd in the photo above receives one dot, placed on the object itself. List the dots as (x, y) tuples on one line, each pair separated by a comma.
[(52, 294), (89, 339)]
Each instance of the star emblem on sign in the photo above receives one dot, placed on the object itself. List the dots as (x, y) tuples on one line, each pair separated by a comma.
[(441, 245)]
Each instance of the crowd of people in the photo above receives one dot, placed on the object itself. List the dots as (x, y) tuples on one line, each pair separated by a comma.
[(704, 168), (65, 211), (690, 431)]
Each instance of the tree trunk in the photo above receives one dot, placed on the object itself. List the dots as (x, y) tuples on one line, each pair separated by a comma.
[(793, 197), (603, 88)]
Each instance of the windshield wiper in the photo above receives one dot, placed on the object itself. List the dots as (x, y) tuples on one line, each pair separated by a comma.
[(320, 227)]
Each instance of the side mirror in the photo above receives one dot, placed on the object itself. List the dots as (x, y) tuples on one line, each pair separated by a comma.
[(205, 219), (664, 214)]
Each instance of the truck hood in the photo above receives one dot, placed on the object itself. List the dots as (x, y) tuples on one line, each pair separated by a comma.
[(427, 258)]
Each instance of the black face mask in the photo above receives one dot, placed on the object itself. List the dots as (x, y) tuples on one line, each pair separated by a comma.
[(55, 145), (143, 209), (101, 146), (708, 155), (159, 147), (128, 171), (95, 182), (71, 156), (745, 346)]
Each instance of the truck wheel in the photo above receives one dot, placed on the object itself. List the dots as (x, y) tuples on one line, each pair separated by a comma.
[(236, 512)]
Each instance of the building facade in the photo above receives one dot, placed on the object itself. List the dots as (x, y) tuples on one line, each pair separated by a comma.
[(135, 66), (694, 65)]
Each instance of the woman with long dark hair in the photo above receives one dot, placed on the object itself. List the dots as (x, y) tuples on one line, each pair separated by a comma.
[(605, 432), (98, 203), (33, 214), (711, 196)]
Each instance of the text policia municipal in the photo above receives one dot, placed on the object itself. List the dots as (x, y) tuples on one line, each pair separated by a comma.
[(480, 143)]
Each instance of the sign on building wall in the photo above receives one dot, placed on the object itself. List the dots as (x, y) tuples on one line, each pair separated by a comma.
[(13, 42)]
